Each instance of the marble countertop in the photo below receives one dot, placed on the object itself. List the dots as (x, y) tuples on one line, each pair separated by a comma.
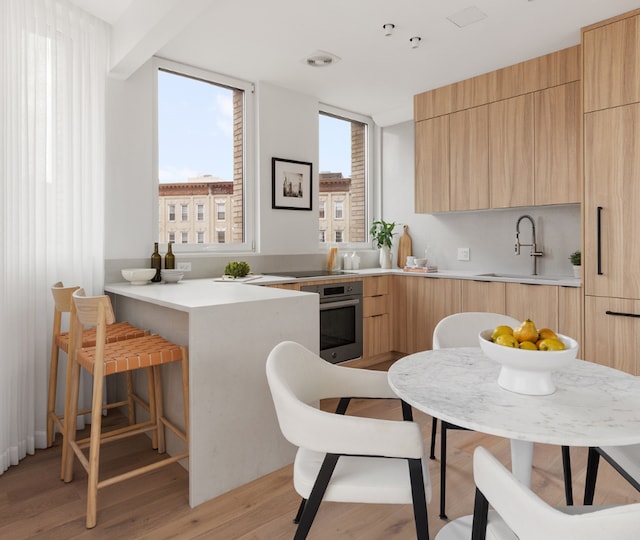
[(593, 405)]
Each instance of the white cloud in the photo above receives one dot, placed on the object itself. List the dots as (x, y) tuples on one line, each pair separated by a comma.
[(173, 174)]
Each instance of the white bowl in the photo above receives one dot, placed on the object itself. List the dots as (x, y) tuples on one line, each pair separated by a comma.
[(528, 372), (138, 276), (421, 263), (171, 276)]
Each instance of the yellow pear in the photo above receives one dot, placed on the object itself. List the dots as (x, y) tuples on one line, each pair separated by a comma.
[(507, 340), (526, 331), (528, 345), (545, 333), (501, 330), (551, 344)]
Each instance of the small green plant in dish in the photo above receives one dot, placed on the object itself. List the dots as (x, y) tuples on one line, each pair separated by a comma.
[(576, 258), (237, 269)]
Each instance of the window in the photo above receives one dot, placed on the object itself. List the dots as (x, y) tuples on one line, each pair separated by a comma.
[(171, 237), (185, 237), (200, 237), (344, 156), (220, 211), (204, 151), (323, 235), (172, 212), (338, 236), (322, 206), (221, 237)]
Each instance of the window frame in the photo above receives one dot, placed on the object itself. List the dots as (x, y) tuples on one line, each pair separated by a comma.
[(372, 186), (249, 177)]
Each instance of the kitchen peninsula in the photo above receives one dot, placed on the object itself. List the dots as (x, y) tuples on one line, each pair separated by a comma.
[(230, 329)]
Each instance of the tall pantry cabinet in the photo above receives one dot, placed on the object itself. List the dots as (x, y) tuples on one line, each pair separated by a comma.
[(611, 262)]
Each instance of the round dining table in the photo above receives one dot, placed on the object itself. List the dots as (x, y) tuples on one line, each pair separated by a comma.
[(592, 405)]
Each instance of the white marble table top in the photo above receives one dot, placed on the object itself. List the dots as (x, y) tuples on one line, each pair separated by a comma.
[(593, 405)]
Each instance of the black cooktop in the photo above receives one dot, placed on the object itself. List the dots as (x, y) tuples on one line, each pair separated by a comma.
[(307, 273)]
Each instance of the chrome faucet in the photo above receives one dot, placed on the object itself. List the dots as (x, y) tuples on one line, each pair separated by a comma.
[(533, 253)]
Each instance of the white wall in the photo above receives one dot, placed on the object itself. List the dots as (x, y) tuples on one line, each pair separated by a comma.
[(490, 234)]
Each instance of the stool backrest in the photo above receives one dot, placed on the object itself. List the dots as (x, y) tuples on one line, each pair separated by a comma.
[(91, 310), (62, 297)]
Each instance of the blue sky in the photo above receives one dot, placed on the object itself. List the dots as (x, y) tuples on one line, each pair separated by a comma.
[(195, 132)]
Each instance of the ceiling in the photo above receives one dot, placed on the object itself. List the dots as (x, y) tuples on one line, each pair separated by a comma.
[(377, 75)]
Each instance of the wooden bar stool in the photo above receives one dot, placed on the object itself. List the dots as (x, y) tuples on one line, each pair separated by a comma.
[(107, 359), (60, 341)]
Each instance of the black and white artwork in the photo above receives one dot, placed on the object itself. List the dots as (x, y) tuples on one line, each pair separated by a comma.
[(291, 184)]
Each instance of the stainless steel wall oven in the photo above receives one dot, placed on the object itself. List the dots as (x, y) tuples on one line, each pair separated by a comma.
[(340, 320)]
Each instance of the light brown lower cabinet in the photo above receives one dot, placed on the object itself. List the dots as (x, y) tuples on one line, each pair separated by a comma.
[(612, 332), (483, 296), (376, 321), (538, 303)]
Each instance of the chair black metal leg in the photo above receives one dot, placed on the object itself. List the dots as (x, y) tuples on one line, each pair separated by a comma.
[(315, 498), (419, 499), (566, 469), (443, 468), (480, 515), (434, 427), (407, 413), (593, 460), (296, 519), (342, 405)]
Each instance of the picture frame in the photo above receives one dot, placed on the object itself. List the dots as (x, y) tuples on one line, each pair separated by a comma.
[(291, 183)]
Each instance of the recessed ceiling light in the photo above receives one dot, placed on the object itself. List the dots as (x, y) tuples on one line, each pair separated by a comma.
[(388, 28), (467, 16), (415, 41), (321, 59)]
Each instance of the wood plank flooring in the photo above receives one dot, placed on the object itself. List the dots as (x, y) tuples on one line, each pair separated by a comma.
[(34, 503)]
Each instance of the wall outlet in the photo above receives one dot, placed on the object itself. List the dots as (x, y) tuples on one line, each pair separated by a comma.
[(463, 254), (186, 266)]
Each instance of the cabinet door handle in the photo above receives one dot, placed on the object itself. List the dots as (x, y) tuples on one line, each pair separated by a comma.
[(599, 235), (622, 314)]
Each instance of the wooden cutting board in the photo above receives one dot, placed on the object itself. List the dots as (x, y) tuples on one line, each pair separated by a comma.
[(404, 247)]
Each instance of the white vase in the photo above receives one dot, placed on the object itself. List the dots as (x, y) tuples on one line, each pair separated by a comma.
[(576, 271), (385, 257)]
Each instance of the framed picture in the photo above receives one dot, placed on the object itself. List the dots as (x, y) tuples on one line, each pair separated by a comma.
[(291, 184)]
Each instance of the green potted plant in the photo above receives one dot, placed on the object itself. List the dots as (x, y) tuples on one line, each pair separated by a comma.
[(382, 233), (576, 261)]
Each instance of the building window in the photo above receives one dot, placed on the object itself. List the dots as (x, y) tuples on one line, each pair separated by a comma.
[(200, 237), (201, 126), (172, 212), (220, 211), (322, 206), (185, 237), (323, 235), (221, 237), (171, 237), (344, 158), (339, 236)]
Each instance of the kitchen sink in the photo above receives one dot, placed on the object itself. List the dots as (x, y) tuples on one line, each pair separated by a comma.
[(515, 276)]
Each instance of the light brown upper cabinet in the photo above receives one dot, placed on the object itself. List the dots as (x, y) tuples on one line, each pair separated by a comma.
[(432, 165), (612, 199), (611, 61), (557, 145), (469, 160), (511, 131)]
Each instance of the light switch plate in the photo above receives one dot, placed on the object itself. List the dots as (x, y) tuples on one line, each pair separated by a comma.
[(463, 254), (186, 266)]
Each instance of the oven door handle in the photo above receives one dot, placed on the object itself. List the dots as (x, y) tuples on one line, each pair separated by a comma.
[(339, 304)]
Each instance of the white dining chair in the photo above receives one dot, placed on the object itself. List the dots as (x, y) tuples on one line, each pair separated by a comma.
[(624, 459), (345, 458), (461, 330), (519, 514)]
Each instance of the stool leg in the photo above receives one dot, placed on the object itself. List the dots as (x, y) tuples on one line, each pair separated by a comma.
[(153, 411), (131, 407), (159, 408), (94, 446), (53, 383), (70, 416)]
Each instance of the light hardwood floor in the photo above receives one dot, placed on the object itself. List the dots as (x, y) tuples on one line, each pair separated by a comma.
[(34, 503)]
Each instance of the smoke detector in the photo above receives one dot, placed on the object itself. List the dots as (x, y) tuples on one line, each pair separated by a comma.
[(321, 59)]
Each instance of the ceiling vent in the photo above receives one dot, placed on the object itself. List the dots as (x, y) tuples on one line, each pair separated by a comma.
[(467, 16), (321, 59)]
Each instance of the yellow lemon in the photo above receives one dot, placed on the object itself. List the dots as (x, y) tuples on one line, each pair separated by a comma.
[(503, 329), (526, 331), (551, 344), (507, 340), (528, 345)]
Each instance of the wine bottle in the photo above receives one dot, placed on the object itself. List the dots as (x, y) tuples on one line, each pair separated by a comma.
[(170, 258), (156, 262)]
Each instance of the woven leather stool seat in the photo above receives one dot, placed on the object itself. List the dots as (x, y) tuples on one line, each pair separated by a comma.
[(116, 332), (108, 358)]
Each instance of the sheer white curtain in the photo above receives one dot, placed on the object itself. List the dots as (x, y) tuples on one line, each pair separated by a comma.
[(53, 64)]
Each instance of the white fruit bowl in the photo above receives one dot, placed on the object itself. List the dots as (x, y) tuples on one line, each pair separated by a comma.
[(138, 276), (171, 276), (528, 372)]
